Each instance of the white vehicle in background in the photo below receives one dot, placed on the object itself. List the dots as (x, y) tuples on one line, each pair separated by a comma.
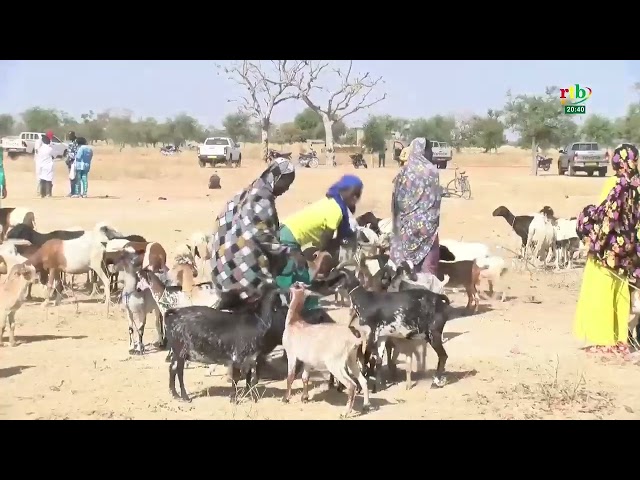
[(217, 150), (442, 154), (24, 144)]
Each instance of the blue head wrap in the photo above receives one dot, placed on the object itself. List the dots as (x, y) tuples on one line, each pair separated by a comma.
[(347, 181)]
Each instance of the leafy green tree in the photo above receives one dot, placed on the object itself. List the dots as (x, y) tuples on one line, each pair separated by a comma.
[(535, 118), (375, 133), (7, 124), (487, 132), (37, 119), (600, 129), (238, 126)]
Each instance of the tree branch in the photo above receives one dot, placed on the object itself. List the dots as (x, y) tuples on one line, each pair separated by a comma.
[(265, 86), (351, 95)]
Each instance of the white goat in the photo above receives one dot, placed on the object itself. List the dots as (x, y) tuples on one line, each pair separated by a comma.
[(12, 294), (16, 216), (541, 239), (567, 242), (493, 268), (466, 250), (201, 251), (326, 346)]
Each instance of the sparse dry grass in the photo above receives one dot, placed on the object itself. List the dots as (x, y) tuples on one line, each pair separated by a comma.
[(142, 163)]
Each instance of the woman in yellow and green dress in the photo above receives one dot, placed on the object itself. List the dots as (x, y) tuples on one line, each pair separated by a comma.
[(610, 231), (315, 225)]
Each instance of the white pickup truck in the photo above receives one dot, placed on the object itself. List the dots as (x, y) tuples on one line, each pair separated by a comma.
[(442, 154), (217, 150), (24, 144)]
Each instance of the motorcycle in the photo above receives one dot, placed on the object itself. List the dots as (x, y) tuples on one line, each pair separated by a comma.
[(169, 150), (273, 154), (308, 160), (544, 163), (357, 159)]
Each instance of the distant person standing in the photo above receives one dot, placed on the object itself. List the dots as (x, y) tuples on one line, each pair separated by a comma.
[(36, 147), (44, 168), (71, 158), (84, 155)]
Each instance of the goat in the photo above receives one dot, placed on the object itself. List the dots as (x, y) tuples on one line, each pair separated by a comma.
[(113, 251), (12, 216), (541, 239), (567, 242), (465, 250), (12, 296), (466, 274), (78, 255), (519, 224), (137, 303), (370, 220), (199, 247), (492, 269), (399, 314), (202, 334), (325, 346)]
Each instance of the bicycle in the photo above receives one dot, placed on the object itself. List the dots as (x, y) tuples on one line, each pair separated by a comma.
[(459, 185)]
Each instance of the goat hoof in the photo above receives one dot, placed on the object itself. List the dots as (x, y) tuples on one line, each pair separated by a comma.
[(285, 400), (305, 399), (366, 408), (185, 399), (438, 382), (160, 345), (134, 351)]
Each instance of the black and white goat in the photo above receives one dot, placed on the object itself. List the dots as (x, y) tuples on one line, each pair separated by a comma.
[(202, 334), (403, 314)]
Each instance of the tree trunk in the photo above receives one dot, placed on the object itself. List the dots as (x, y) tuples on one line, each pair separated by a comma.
[(534, 160), (264, 135), (328, 135)]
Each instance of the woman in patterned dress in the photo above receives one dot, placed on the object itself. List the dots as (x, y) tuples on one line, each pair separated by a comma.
[(246, 249), (416, 212), (610, 232)]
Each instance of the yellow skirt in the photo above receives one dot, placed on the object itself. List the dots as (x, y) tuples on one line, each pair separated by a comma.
[(602, 315)]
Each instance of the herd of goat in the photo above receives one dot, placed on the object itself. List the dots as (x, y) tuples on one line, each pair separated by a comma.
[(390, 310)]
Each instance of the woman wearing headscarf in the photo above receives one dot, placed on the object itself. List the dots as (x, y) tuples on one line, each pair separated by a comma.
[(416, 211), (315, 225), (246, 250), (610, 232)]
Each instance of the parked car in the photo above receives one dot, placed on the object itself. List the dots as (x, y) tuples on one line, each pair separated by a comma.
[(218, 150), (583, 157), (24, 144)]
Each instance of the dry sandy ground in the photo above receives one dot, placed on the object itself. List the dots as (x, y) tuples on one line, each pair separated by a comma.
[(512, 360)]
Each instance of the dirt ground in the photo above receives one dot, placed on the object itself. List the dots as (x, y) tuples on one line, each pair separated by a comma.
[(512, 360)]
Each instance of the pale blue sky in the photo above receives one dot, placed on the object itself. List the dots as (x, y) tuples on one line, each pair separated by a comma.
[(415, 88)]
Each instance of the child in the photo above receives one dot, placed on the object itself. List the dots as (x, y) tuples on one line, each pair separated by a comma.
[(84, 154), (44, 167)]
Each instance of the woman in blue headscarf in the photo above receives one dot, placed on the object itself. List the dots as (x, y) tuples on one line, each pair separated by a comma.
[(416, 211), (316, 225)]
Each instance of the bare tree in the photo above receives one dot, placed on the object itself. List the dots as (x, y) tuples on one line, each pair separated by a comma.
[(350, 95), (266, 84)]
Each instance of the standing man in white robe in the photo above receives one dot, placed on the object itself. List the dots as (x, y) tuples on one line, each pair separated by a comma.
[(44, 168)]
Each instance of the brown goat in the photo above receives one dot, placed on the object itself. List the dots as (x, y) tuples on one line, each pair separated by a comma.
[(12, 296), (464, 273), (154, 256)]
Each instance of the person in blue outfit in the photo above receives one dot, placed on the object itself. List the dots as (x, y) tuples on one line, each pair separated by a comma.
[(84, 154)]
